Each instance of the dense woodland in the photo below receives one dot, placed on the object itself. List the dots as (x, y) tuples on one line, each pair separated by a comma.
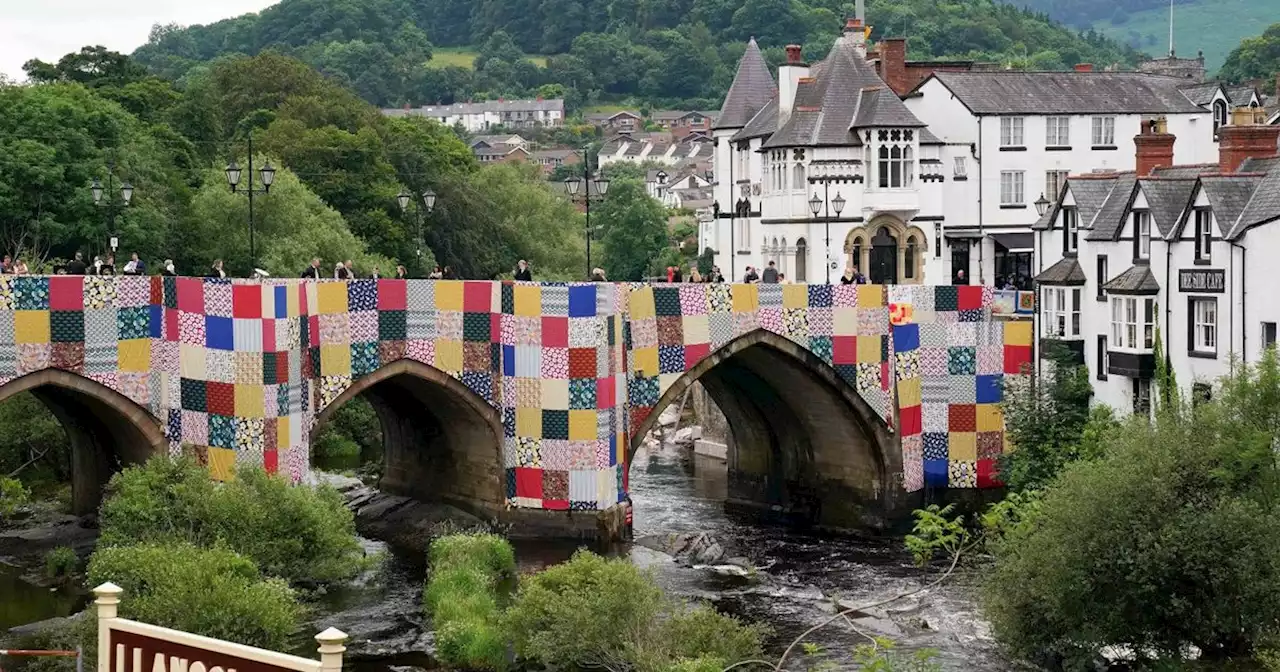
[(663, 53), (1086, 12)]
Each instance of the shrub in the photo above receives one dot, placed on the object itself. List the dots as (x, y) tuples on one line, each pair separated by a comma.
[(488, 553), (301, 534), (1045, 419), (207, 591), (462, 597), (13, 496), (28, 430), (593, 612), (1155, 545), (332, 444), (61, 562)]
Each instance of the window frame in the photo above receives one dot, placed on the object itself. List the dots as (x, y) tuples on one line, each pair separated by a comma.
[(1013, 132), (1141, 234), (1132, 323), (1071, 230), (1060, 314), (1057, 178), (1104, 360), (1017, 188), (1100, 266), (1263, 337), (1203, 218), (1057, 131), (1203, 326), (1104, 131)]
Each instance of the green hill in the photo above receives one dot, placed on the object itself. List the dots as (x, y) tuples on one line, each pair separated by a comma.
[(671, 53), (1212, 26)]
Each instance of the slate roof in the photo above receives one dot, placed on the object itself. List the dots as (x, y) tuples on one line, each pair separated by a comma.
[(753, 87), (928, 138), (1228, 196), (1262, 208), (1036, 93), (1241, 95), (1166, 199), (1137, 280), (1201, 93), (1185, 172), (843, 93), (1046, 220), (1066, 272), (1089, 195), (763, 124), (1109, 221)]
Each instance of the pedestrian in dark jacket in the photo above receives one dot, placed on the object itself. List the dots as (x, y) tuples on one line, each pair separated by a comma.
[(522, 272)]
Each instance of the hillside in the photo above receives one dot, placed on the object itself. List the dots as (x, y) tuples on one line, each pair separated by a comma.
[(1213, 26), (656, 52)]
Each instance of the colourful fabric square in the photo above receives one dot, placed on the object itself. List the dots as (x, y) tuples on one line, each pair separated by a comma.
[(962, 418), (331, 298), (962, 446), (31, 326), (962, 473), (582, 394), (582, 301), (1017, 359), (364, 358), (968, 297), (990, 445), (135, 355), (694, 354), (246, 301), (988, 474), (477, 297), (666, 301), (222, 434), (449, 355), (936, 473), (335, 360), (475, 356), (989, 418), (475, 327), (962, 361), (746, 298), (820, 296), (250, 401), (582, 425), (670, 330), (869, 349), (1018, 333), (582, 363), (671, 359), (221, 398), (393, 294), (910, 419), (133, 322), (66, 326), (844, 349), (870, 296), (66, 292), (935, 445), (906, 337), (990, 389), (30, 292), (362, 294), (555, 424), (67, 356), (219, 333), (528, 300), (194, 395), (555, 332)]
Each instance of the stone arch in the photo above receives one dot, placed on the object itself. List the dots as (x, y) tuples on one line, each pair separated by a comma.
[(106, 430), (858, 248), (803, 445), (441, 441)]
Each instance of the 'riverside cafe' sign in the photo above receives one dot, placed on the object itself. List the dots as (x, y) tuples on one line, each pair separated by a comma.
[(130, 646)]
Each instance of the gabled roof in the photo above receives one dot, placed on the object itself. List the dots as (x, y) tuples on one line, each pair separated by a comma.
[(1228, 195), (753, 87), (1090, 193), (844, 93), (1166, 199), (1066, 272), (1202, 93), (1038, 93), (1137, 280), (1262, 208), (1240, 95), (1109, 221), (764, 123)]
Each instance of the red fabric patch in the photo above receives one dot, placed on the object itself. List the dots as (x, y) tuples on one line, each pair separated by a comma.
[(911, 420), (269, 336), (495, 327), (844, 349), (282, 368), (969, 297), (313, 330), (66, 292), (246, 301), (477, 297), (582, 362), (191, 295), (695, 353), (270, 460), (555, 504), (1016, 358), (962, 418), (604, 393), (529, 482), (157, 290), (393, 295), (555, 333), (638, 414), (221, 398), (171, 324), (989, 474)]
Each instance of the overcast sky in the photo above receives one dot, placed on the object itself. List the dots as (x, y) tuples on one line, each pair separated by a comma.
[(48, 29)]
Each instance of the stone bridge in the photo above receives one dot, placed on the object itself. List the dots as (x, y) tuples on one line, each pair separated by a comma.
[(524, 401)]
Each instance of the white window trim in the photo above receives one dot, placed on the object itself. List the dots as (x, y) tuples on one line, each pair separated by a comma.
[(1057, 131), (1204, 326), (1013, 131), (1058, 178), (1060, 317), (1071, 229), (1142, 230), (1126, 324), (1104, 131), (1017, 187), (1204, 232)]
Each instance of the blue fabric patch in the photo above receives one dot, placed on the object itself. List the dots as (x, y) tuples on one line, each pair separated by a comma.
[(582, 301), (990, 389), (935, 473), (219, 333), (906, 337)]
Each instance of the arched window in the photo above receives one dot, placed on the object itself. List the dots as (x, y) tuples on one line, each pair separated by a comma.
[(1219, 114), (883, 169), (908, 167), (797, 176), (909, 259), (782, 256), (802, 260), (856, 261)]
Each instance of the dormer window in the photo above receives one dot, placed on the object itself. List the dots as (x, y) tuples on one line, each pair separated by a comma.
[(1204, 235), (896, 162), (1141, 234), (1219, 114), (1070, 230)]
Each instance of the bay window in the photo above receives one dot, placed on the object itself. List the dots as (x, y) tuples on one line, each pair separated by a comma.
[(1132, 323), (1061, 313)]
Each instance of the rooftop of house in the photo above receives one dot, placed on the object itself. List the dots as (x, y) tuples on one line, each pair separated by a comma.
[(1071, 92), (497, 106), (553, 153), (508, 139), (752, 88)]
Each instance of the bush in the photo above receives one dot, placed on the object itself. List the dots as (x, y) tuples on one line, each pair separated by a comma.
[(28, 429), (352, 431), (1045, 420), (462, 597), (301, 534), (207, 591), (1166, 541), (13, 496), (61, 562), (593, 612)]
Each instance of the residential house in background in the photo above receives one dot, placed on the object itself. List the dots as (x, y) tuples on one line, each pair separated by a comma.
[(612, 123), (478, 117), (656, 147), (1176, 253), (681, 123), (663, 185), (1222, 99), (500, 154), (550, 159), (489, 141)]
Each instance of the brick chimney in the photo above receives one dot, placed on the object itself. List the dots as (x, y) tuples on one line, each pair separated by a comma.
[(789, 76), (856, 32), (893, 63), (1238, 142), (1084, 67), (1155, 147)]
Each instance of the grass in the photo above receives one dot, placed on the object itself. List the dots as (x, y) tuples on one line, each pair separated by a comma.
[(462, 57), (462, 597), (1214, 26)]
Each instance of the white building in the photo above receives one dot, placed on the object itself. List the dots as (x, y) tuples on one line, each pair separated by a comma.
[(917, 190), (479, 117), (660, 148), (1177, 254)]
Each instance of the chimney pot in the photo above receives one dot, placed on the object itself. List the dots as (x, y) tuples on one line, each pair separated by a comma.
[(1239, 142), (852, 25), (793, 54), (1084, 67)]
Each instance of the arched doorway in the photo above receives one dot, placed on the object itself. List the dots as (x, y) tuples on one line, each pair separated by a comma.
[(803, 446), (884, 257), (106, 430), (441, 441), (802, 260)]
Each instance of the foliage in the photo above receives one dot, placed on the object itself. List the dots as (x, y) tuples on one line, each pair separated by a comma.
[(78, 632), (28, 431), (13, 496), (593, 612), (1152, 546), (61, 562), (462, 596), (1255, 58), (883, 656), (936, 530), (352, 431), (518, 199), (301, 534), (1045, 417), (633, 229), (673, 53), (207, 591)]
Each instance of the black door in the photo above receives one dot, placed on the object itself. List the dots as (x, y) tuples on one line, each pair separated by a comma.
[(959, 261), (884, 258)]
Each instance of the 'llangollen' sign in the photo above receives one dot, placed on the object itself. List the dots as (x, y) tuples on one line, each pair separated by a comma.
[(130, 646)]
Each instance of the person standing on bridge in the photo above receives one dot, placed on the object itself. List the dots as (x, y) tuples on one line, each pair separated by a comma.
[(76, 266), (597, 275), (168, 271), (770, 276), (715, 275), (216, 270), (313, 271), (402, 273), (750, 276), (523, 274)]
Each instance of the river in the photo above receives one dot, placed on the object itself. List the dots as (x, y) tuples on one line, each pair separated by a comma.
[(673, 492)]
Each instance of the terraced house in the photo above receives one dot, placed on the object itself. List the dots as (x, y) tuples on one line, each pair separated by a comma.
[(1179, 255)]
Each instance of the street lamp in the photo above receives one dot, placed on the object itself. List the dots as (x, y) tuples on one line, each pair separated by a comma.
[(817, 204), (428, 204), (267, 175), (105, 198), (586, 183), (1042, 204)]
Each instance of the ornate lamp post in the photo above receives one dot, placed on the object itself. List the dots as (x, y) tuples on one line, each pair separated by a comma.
[(1042, 205), (267, 175), (826, 203), (586, 183), (106, 199), (427, 204)]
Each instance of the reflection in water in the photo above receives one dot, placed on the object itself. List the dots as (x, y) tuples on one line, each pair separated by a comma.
[(22, 602)]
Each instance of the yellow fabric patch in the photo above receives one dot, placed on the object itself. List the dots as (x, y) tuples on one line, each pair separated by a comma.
[(282, 434), (870, 296), (990, 418), (582, 425), (746, 298), (641, 304), (31, 326), (134, 355), (908, 392), (868, 349), (332, 298), (528, 300), (795, 296), (962, 446), (448, 354), (645, 361), (529, 422), (335, 360), (1017, 332), (222, 463), (249, 401), (449, 295)]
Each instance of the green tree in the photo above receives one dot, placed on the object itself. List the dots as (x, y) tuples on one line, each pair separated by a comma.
[(534, 223), (1255, 58), (92, 66), (1153, 546), (633, 228)]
